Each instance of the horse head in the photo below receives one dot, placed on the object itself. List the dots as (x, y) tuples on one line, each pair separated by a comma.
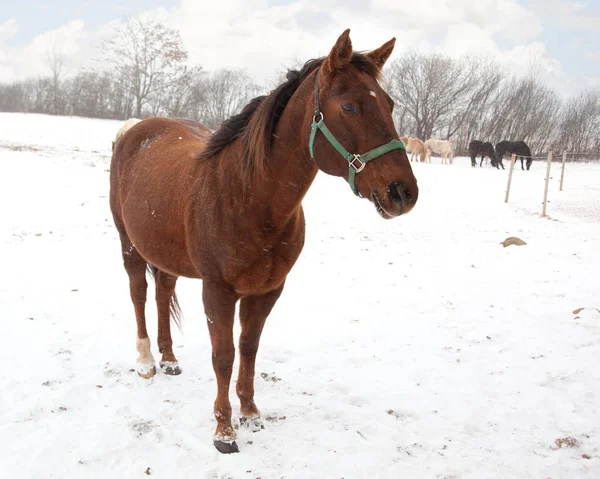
[(353, 134)]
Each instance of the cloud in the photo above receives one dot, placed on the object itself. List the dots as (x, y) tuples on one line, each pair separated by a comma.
[(67, 39), (266, 36), (571, 15), (595, 56), (32, 59), (8, 29), (263, 37)]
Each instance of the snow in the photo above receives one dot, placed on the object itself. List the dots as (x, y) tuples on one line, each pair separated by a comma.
[(412, 348)]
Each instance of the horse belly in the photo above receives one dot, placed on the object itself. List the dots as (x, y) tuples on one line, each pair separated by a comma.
[(159, 242), (155, 224)]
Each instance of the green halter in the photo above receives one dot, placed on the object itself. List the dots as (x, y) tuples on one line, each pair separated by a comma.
[(356, 162)]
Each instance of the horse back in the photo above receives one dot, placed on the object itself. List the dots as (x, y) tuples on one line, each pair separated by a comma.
[(521, 148), (475, 146)]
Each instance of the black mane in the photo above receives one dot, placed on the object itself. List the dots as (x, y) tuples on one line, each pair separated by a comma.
[(231, 128), (258, 132)]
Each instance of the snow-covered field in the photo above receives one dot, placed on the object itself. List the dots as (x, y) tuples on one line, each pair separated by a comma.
[(412, 348)]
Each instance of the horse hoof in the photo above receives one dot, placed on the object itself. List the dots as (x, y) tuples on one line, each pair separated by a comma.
[(255, 424), (146, 371), (226, 447), (170, 368)]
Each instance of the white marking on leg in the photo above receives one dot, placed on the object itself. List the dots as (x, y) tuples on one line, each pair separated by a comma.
[(145, 361), (225, 437), (169, 364)]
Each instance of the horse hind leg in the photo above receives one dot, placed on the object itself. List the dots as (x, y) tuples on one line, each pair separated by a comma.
[(135, 266), (167, 305)]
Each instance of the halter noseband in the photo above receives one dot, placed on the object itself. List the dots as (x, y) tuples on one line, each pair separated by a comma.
[(356, 162)]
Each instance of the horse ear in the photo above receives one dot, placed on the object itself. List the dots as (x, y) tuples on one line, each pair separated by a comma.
[(340, 55), (381, 54)]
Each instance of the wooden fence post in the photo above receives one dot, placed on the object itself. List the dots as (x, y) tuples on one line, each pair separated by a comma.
[(513, 159), (547, 182), (562, 173)]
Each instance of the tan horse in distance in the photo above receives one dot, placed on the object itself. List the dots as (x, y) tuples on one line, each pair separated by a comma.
[(415, 147), (126, 126), (441, 147)]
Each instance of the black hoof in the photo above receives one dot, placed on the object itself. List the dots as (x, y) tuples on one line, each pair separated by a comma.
[(171, 369), (226, 447), (255, 424)]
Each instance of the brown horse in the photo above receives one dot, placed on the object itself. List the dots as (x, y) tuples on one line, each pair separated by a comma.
[(227, 208)]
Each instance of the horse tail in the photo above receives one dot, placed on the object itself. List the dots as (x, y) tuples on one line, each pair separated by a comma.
[(174, 307)]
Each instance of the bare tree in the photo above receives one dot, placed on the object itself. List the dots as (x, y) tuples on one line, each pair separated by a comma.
[(181, 97), (55, 58), (523, 109), (225, 93), (471, 111), (580, 123), (439, 93), (147, 55)]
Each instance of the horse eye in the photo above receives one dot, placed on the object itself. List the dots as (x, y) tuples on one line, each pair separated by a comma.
[(349, 107)]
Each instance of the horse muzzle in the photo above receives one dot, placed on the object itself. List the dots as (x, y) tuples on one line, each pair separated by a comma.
[(398, 200)]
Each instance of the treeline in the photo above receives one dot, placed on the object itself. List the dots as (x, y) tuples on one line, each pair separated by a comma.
[(146, 73), (206, 97), (472, 98)]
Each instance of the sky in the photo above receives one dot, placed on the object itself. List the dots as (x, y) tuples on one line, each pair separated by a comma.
[(267, 36)]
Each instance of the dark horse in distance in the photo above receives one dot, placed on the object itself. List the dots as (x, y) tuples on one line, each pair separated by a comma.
[(519, 148), (227, 207), (477, 147)]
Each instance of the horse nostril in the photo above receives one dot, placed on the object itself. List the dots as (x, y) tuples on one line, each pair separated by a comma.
[(399, 193)]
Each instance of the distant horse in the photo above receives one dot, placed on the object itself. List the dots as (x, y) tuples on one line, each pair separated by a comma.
[(126, 126), (441, 147), (415, 147), (477, 147), (227, 208), (519, 148)]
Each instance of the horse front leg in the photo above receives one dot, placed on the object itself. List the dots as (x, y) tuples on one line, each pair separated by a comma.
[(219, 305), (254, 311)]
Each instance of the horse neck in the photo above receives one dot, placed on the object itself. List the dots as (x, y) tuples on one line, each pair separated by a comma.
[(289, 170)]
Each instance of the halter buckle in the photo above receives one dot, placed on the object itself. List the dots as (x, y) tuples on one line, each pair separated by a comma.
[(361, 164), (317, 113)]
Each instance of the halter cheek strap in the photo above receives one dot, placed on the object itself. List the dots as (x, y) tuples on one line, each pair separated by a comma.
[(356, 162)]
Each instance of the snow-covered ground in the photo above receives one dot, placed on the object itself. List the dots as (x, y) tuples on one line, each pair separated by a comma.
[(412, 348)]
